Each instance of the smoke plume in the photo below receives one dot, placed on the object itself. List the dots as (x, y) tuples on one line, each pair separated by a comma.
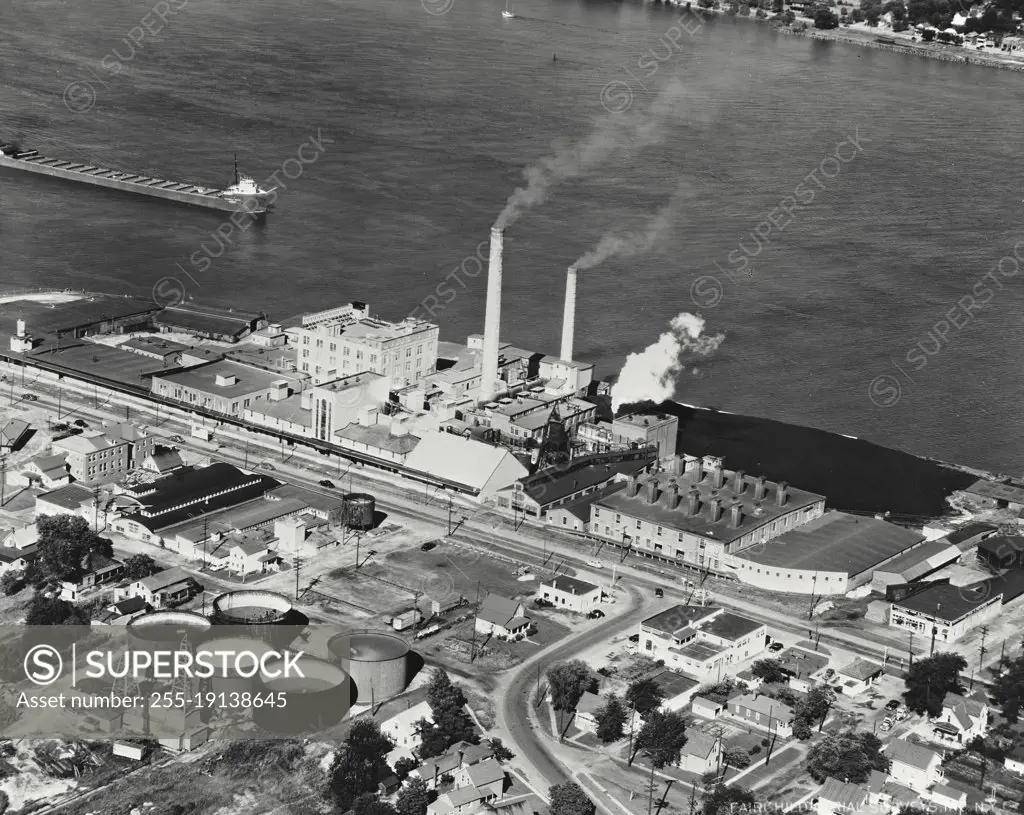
[(634, 243), (613, 133), (651, 373)]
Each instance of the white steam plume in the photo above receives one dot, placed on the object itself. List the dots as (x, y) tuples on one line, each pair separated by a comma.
[(651, 373), (613, 132), (634, 243)]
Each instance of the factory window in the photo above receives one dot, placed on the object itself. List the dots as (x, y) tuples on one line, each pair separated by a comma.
[(597, 512), (618, 518), (234, 407), (638, 524), (305, 366), (373, 358), (305, 340), (334, 346), (407, 367), (659, 530), (345, 350), (419, 350), (319, 343), (305, 353), (408, 351)]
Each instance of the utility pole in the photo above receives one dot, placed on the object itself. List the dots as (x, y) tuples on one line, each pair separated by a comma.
[(650, 791), (3, 480), (449, 516), (298, 563), (60, 391), (931, 649), (981, 649), (910, 649)]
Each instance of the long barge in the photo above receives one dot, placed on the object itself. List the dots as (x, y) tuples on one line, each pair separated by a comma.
[(245, 195)]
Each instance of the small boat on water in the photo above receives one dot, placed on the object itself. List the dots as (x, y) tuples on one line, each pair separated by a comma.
[(508, 15)]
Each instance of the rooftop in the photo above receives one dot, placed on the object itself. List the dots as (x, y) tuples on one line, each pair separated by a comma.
[(152, 345), (969, 531), (12, 432), (69, 497), (380, 330), (245, 378), (945, 602), (842, 793), (913, 755), (345, 383), (860, 669), (835, 542), (678, 617), (288, 410), (997, 491), (553, 484), (206, 320), (700, 651), (164, 579), (570, 585), (86, 443), (919, 559), (673, 684), (765, 705), (499, 610), (730, 626), (755, 514), (379, 436)]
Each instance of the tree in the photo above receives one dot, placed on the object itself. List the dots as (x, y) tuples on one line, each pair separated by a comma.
[(811, 711), (12, 582), (849, 754), (451, 721), (1008, 687), (44, 610), (432, 740), (930, 679), (567, 682), (570, 799), (736, 757), (723, 799), (368, 803), (611, 720), (139, 567), (802, 729), (719, 692), (359, 765), (404, 766), (928, 34), (662, 737), (64, 545), (788, 17), (501, 752), (644, 695), (413, 798), (825, 18)]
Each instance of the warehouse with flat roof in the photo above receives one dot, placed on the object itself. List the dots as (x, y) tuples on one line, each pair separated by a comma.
[(828, 555)]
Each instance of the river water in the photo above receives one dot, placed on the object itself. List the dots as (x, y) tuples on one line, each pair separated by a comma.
[(430, 119)]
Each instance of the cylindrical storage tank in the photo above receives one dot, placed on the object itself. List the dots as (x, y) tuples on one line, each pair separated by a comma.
[(317, 700), (359, 509), (230, 681), (266, 614), (377, 663), (166, 629)]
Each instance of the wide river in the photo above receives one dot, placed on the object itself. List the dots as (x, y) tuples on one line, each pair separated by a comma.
[(430, 119)]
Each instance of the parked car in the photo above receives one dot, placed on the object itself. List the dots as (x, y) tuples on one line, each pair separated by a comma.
[(595, 564), (901, 714), (177, 439), (326, 482), (81, 423), (265, 465), (428, 546), (634, 638), (775, 647), (596, 614), (31, 397), (830, 673), (892, 704), (659, 592), (886, 725)]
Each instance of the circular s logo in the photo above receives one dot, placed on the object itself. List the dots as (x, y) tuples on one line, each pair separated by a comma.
[(43, 664)]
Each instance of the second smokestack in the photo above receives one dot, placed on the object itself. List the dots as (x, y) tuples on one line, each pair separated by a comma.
[(569, 318), (489, 385)]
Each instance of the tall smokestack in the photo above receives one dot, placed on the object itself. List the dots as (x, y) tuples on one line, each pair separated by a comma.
[(569, 318), (489, 387)]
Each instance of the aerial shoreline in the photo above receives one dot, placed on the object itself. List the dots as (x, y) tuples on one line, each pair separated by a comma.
[(867, 39)]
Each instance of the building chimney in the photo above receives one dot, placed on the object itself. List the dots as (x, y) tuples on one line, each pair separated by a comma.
[(715, 510), (698, 470), (673, 496), (736, 515), (569, 317), (21, 328), (759, 488), (693, 506), (781, 494), (632, 487), (652, 491), (489, 383), (739, 482), (717, 478)]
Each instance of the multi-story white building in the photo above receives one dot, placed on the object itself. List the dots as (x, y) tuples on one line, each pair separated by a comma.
[(945, 613), (697, 513), (701, 641), (347, 340), (92, 456)]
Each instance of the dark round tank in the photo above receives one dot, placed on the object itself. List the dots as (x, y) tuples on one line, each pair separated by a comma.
[(377, 663), (317, 700), (359, 510)]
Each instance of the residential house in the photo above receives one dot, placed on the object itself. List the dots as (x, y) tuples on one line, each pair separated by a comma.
[(48, 471), (487, 776), (459, 755), (838, 797), (855, 678), (701, 754), (914, 765), (100, 571), (586, 711), (13, 434), (20, 537), (1014, 761), (502, 617), (961, 720), (763, 712), (17, 560), (163, 460), (401, 729), (251, 553), (163, 589), (676, 689), (947, 797), (121, 613), (93, 456), (140, 444), (571, 594)]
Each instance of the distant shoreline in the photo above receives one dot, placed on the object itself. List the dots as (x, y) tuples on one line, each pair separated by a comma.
[(869, 39)]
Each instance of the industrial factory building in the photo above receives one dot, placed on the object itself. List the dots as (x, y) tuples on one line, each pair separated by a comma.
[(635, 430), (945, 612), (224, 386), (828, 555), (445, 459), (698, 513), (347, 340)]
